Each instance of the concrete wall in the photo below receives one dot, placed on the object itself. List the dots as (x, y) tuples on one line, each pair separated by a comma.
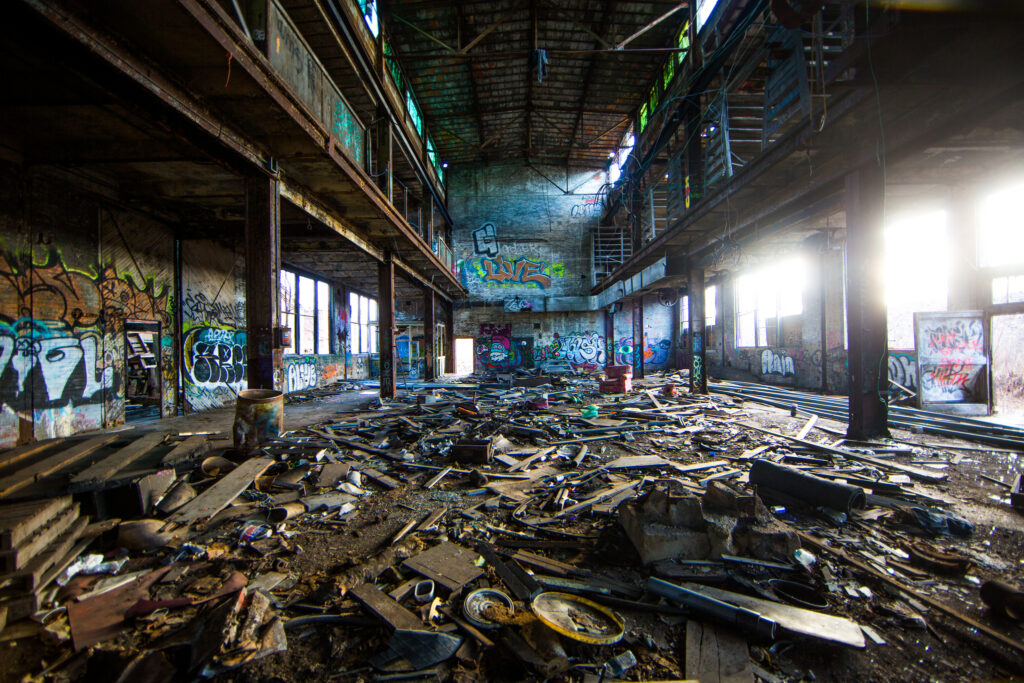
[(303, 373), (73, 269)]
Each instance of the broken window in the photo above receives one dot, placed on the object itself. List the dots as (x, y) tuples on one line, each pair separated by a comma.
[(369, 11)]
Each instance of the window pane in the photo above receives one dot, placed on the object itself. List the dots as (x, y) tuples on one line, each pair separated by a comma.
[(1001, 229), (745, 330), (353, 338), (684, 312), (307, 296), (323, 317), (287, 291), (288, 320), (364, 310), (920, 283), (364, 341), (710, 310), (373, 310)]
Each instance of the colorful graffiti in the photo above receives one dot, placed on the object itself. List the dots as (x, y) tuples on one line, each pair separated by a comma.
[(499, 352), (215, 365), (948, 382), (655, 354), (777, 362), (590, 208), (501, 271), (61, 347), (584, 351), (955, 339), (518, 305)]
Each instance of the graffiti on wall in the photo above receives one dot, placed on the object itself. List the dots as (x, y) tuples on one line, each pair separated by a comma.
[(502, 353), (589, 208), (197, 306), (951, 356), (953, 382), (584, 351), (518, 304), (485, 240), (215, 365), (903, 369), (954, 339), (777, 362), (504, 272), (301, 375), (655, 354), (61, 348)]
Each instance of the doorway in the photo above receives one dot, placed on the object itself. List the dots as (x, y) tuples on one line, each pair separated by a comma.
[(464, 352), (1008, 366), (142, 370)]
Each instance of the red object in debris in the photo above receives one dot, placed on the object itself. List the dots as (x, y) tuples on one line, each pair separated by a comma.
[(668, 390), (619, 385), (617, 371)]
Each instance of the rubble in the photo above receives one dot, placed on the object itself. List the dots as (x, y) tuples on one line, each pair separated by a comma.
[(477, 531)]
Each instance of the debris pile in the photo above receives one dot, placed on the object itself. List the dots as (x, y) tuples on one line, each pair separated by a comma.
[(500, 531)]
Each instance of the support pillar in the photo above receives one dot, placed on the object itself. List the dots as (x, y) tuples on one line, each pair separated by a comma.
[(429, 342), (386, 325), (865, 304), (264, 367), (638, 337), (609, 336), (449, 337), (676, 322), (698, 350)]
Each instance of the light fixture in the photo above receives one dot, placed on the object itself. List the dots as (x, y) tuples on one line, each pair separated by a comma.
[(444, 164)]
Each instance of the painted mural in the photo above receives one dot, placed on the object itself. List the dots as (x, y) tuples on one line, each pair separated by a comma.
[(493, 269), (584, 351), (656, 354), (214, 342), (61, 342)]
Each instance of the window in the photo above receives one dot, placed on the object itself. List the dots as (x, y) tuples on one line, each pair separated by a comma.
[(766, 296), (917, 264), (1001, 228), (363, 323), (710, 309), (704, 10), (668, 73), (1008, 289), (683, 43), (287, 293), (305, 309), (414, 112), (684, 313), (369, 10), (643, 116)]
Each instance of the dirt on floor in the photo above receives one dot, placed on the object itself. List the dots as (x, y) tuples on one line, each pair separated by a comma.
[(324, 557)]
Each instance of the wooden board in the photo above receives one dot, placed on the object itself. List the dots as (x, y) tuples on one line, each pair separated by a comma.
[(226, 489), (14, 455), (18, 521), (794, 619), (716, 655), (55, 462), (386, 608), (631, 461), (186, 450), (599, 496), (115, 462), (31, 576), (379, 477), (19, 557), (447, 564)]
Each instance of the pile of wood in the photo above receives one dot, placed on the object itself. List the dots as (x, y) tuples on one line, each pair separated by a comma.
[(38, 539)]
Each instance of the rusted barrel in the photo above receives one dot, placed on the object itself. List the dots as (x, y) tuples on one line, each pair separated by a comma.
[(259, 418)]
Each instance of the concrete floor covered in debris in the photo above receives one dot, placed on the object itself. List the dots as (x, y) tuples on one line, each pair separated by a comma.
[(338, 584)]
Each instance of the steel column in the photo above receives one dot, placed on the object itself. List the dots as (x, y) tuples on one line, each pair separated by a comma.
[(386, 325), (865, 304), (429, 341), (262, 262), (449, 337), (609, 337), (698, 350), (638, 337)]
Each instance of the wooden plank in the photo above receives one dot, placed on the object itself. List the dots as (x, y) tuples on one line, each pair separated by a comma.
[(186, 450), (806, 429), (447, 564), (19, 557), (436, 479), (55, 462), (18, 521), (379, 477), (115, 462), (226, 489), (696, 467), (716, 655), (30, 577), (599, 496), (631, 461), (14, 455), (386, 608)]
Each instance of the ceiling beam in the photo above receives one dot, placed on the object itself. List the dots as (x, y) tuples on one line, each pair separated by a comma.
[(581, 106), (501, 20)]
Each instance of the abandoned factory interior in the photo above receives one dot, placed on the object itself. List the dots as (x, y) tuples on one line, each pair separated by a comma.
[(577, 341)]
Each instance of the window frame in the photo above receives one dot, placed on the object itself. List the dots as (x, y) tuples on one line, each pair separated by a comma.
[(363, 329), (296, 345)]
